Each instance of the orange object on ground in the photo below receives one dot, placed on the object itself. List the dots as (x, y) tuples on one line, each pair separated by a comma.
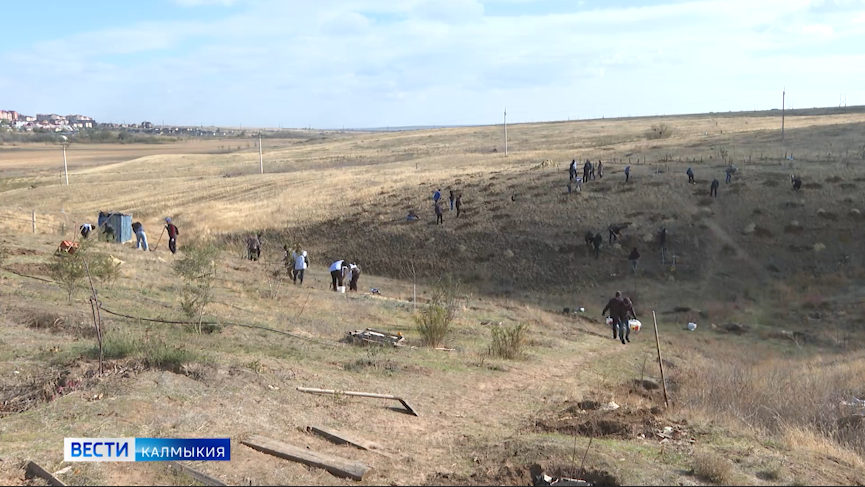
[(68, 247)]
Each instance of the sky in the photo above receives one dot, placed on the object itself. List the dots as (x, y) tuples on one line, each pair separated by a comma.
[(377, 63)]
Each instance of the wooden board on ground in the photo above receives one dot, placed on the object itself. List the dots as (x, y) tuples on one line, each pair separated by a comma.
[(34, 470), (337, 466), (195, 474), (348, 439)]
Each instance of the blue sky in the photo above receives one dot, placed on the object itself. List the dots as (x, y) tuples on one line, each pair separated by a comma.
[(370, 63)]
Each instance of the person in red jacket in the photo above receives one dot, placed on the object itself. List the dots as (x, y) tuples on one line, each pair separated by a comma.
[(172, 235)]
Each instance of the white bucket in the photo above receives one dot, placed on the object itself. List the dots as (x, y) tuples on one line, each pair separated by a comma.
[(609, 321), (635, 325), (340, 289), (692, 326)]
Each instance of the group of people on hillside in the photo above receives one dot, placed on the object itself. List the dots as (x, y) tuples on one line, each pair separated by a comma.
[(715, 184), (297, 262), (456, 203), (108, 233)]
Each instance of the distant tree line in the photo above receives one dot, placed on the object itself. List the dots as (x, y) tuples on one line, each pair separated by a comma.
[(91, 136)]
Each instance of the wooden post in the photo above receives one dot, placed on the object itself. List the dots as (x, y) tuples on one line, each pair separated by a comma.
[(660, 361), (506, 131), (260, 158), (783, 102), (33, 220), (65, 170)]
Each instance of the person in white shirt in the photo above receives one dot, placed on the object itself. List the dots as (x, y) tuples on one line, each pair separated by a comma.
[(355, 275), (86, 229), (337, 274), (301, 262)]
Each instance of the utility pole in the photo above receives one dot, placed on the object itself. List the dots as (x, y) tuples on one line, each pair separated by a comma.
[(260, 157), (506, 131), (65, 170), (783, 101)]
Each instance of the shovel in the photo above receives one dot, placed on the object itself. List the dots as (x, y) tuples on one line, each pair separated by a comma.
[(158, 240), (311, 390)]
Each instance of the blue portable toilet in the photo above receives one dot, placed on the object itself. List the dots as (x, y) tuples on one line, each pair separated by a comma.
[(122, 223)]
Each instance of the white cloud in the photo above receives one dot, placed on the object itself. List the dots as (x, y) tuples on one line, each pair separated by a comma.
[(378, 62)]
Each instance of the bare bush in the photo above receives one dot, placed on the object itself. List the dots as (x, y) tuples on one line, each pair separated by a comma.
[(508, 342), (659, 131), (436, 318), (712, 467)]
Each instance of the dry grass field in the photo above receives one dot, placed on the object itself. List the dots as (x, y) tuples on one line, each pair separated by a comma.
[(750, 404)]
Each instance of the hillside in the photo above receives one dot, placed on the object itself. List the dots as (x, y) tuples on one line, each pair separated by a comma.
[(769, 414)]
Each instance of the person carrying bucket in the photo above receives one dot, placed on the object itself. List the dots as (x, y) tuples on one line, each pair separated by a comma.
[(336, 275)]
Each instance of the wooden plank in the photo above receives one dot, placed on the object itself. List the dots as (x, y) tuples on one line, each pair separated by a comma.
[(195, 474), (337, 466), (348, 439), (34, 470)]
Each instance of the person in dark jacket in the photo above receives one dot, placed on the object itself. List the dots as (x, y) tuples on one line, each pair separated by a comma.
[(713, 189), (590, 237), (253, 247), (439, 215), (627, 174), (797, 182), (587, 167), (634, 258), (459, 204), (627, 313), (596, 242), (108, 232), (730, 172), (615, 306), (600, 170), (615, 233), (173, 232), (690, 174), (591, 170), (662, 242), (572, 171), (140, 236), (452, 199), (355, 275)]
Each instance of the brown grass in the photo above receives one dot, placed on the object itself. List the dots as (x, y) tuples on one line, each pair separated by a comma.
[(777, 396)]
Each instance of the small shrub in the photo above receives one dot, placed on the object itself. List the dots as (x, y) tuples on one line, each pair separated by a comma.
[(713, 468), (117, 345), (197, 268), (433, 324), (154, 353), (659, 131), (508, 342), (104, 268), (68, 271), (159, 355), (436, 318)]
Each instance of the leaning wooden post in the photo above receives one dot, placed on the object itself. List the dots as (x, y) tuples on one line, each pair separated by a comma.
[(33, 220), (660, 362)]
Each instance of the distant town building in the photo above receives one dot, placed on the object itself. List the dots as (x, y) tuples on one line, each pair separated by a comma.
[(146, 125), (10, 115)]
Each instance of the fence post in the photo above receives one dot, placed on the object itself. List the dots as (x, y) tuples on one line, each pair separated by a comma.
[(33, 220), (660, 361)]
